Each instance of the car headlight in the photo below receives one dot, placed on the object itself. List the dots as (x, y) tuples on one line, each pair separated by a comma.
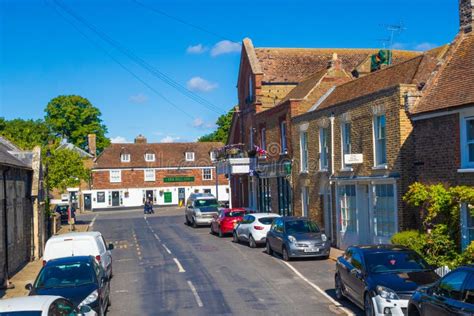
[(91, 298), (292, 239), (198, 213), (386, 293), (324, 237)]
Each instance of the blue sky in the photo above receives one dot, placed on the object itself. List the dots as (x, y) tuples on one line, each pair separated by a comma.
[(43, 56)]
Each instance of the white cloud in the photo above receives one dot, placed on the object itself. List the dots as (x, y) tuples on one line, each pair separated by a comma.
[(225, 47), (425, 46), (198, 122), (138, 98), (169, 139), (119, 140), (398, 45), (200, 84), (196, 49)]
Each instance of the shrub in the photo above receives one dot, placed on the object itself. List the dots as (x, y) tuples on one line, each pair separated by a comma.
[(411, 239)]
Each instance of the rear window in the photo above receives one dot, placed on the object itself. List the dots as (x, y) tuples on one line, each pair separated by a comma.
[(61, 208), (235, 214), (206, 202), (70, 247), (266, 220)]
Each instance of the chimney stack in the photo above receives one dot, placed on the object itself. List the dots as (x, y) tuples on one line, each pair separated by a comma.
[(91, 144), (335, 62), (466, 15), (140, 139)]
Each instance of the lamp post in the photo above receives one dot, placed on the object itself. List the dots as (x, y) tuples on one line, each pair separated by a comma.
[(46, 181)]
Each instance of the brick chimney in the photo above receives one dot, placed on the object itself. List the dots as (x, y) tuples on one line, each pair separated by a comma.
[(91, 144), (466, 15), (140, 139), (335, 62)]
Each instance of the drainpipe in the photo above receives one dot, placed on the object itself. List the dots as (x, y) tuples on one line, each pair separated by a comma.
[(331, 183), (6, 283)]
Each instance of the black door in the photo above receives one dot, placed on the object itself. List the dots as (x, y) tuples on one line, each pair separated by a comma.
[(115, 198), (149, 195), (87, 202)]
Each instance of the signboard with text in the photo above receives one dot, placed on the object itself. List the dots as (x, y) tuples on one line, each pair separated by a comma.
[(352, 159), (178, 179)]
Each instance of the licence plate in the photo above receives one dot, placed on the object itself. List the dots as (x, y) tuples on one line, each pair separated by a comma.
[(311, 250)]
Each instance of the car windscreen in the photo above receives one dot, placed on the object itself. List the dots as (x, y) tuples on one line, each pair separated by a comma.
[(266, 220), (301, 226), (65, 275), (235, 214), (392, 262), (61, 208), (206, 203)]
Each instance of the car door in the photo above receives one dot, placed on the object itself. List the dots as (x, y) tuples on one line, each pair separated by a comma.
[(104, 283), (241, 227), (278, 236), (344, 266), (249, 225), (271, 235), (107, 255), (356, 279), (446, 296)]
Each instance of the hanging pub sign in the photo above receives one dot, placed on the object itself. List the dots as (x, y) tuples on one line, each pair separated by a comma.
[(178, 179)]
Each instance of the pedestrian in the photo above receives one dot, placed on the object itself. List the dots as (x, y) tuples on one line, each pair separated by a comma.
[(151, 207), (146, 208)]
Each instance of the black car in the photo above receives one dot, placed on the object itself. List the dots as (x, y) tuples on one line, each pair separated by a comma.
[(451, 295), (381, 278), (79, 279), (61, 209)]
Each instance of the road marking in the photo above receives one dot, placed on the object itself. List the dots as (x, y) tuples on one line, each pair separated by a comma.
[(166, 248), (317, 288), (195, 293), (156, 236), (92, 222), (123, 260), (180, 267)]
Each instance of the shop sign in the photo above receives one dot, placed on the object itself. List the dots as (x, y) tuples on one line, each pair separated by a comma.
[(178, 179), (352, 159)]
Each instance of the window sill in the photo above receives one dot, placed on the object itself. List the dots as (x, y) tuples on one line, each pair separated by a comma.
[(323, 170), (466, 170), (304, 172), (347, 169), (380, 167)]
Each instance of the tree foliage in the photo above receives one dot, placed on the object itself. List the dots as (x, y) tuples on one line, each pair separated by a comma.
[(65, 169), (74, 117), (222, 132), (25, 134)]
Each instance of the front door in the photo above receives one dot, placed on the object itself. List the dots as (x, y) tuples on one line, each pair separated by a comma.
[(87, 202), (115, 198), (149, 195), (363, 219)]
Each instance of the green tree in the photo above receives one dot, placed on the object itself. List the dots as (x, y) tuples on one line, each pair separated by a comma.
[(65, 169), (223, 123), (74, 117), (25, 134)]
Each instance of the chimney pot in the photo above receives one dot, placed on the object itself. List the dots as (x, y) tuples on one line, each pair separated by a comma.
[(466, 15), (91, 144), (140, 139)]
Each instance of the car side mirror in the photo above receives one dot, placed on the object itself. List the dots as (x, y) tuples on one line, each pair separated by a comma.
[(29, 287), (356, 272), (111, 246)]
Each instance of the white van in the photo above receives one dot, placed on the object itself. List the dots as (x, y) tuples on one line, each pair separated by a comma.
[(80, 244)]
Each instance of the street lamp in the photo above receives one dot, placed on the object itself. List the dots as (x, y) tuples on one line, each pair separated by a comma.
[(46, 175)]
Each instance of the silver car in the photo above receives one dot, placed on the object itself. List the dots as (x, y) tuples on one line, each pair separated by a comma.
[(200, 209)]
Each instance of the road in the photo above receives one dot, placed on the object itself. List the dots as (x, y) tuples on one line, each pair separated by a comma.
[(163, 267)]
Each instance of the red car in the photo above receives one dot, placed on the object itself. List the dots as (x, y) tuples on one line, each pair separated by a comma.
[(225, 221)]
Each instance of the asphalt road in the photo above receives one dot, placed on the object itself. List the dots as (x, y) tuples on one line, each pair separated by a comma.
[(163, 267)]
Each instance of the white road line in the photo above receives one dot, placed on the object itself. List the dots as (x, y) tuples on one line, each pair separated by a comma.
[(156, 236), (92, 222), (166, 248), (121, 291), (180, 267), (195, 293), (317, 288)]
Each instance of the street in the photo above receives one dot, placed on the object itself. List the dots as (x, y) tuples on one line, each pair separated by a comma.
[(161, 267)]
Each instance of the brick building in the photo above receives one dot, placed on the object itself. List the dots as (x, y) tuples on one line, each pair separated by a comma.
[(125, 175)]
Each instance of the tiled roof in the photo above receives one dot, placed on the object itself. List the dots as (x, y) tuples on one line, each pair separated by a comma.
[(296, 64), (8, 159), (453, 85), (305, 87), (166, 155)]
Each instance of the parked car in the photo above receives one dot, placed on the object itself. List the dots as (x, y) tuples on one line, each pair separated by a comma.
[(43, 305), (453, 295), (381, 278), (254, 228), (226, 220), (80, 244), (200, 209), (80, 279), (61, 209), (294, 237)]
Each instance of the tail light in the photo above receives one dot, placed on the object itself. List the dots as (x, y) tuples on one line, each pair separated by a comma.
[(44, 262), (259, 227), (97, 258)]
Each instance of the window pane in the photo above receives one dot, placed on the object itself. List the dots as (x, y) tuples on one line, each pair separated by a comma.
[(470, 130), (348, 210), (384, 210), (471, 152)]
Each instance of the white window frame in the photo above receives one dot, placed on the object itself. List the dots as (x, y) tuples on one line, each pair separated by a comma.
[(124, 157), (189, 156), (283, 143), (149, 157), (115, 176), (323, 138), (465, 142), (304, 151), (344, 144), (149, 175), (376, 139), (207, 177), (212, 155), (263, 138)]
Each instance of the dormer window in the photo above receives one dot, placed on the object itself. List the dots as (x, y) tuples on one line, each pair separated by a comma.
[(149, 157), (125, 157), (189, 156), (212, 154)]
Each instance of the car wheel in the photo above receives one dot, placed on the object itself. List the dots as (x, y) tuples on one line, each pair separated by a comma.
[(252, 242), (187, 220), (194, 223), (269, 248), (338, 287), (368, 307), (220, 233), (284, 254), (235, 238), (413, 311)]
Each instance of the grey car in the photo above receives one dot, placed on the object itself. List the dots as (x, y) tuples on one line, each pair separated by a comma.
[(200, 209), (296, 237)]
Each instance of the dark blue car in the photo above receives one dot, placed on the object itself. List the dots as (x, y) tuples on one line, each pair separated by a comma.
[(381, 278), (79, 279), (451, 295)]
